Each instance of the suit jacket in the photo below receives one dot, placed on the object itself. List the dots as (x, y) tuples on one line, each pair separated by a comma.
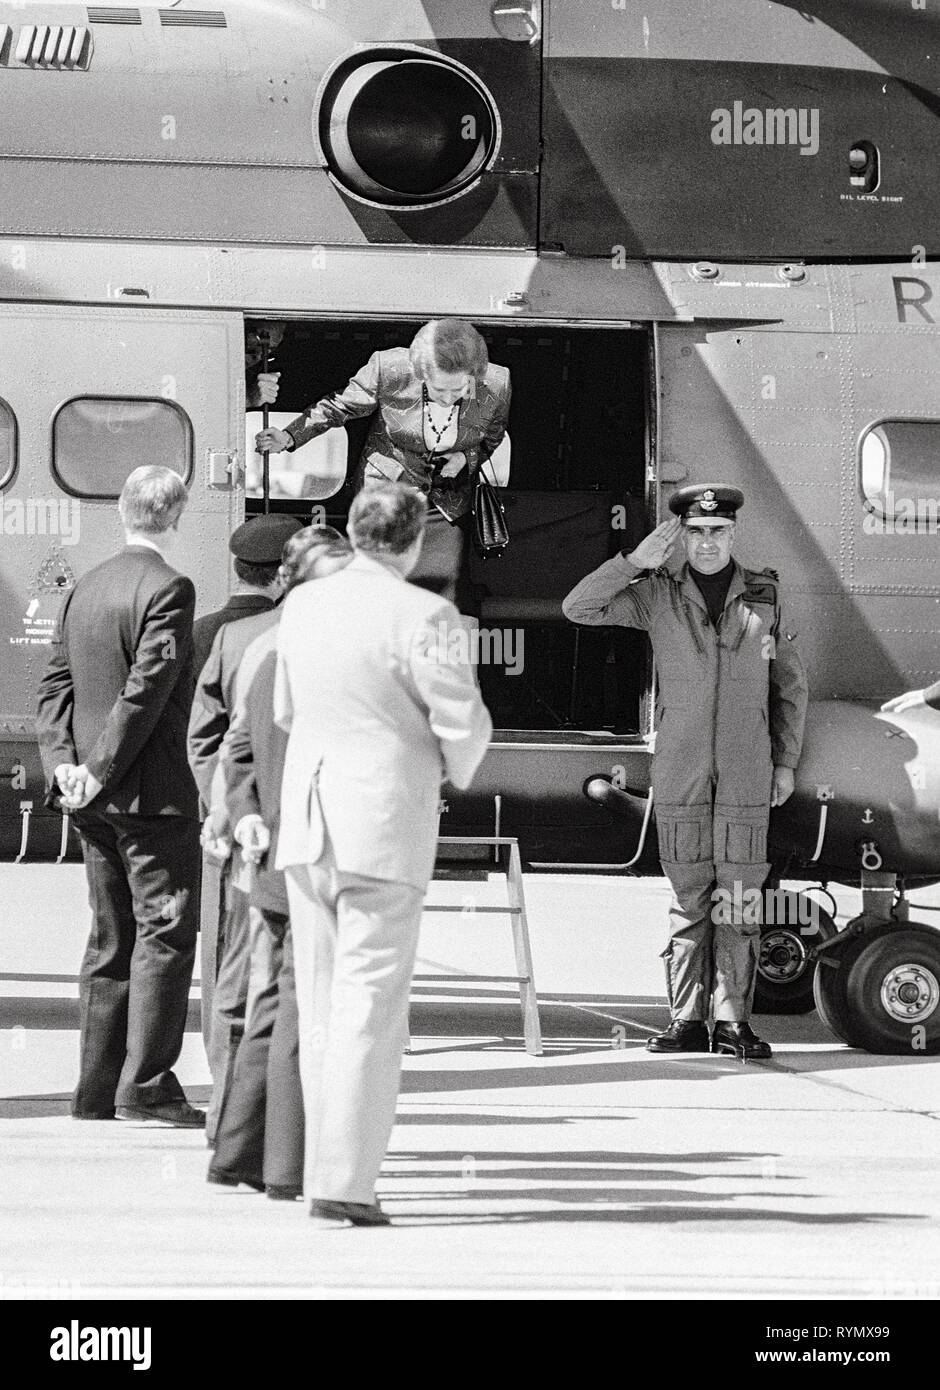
[(204, 629), (214, 699), (250, 765), (116, 692), (375, 687), (395, 448)]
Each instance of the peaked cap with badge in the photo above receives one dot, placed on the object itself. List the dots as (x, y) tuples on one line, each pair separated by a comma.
[(707, 502)]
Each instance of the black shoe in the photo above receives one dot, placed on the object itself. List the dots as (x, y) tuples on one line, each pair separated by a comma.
[(336, 1214), (283, 1192), (739, 1040), (173, 1114), (225, 1179), (682, 1035), (92, 1114)]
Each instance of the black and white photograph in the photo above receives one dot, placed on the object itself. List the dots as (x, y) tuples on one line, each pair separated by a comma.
[(470, 672)]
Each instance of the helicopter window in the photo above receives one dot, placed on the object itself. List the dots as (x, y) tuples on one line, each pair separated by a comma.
[(316, 470), (7, 443), (98, 441), (899, 464)]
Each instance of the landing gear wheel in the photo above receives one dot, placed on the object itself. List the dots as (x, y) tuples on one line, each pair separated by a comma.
[(784, 972), (892, 992), (830, 990)]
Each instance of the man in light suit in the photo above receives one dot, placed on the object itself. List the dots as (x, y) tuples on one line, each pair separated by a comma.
[(381, 704), (259, 1136)]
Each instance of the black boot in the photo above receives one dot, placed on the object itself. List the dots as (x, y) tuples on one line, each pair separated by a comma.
[(739, 1040), (682, 1035)]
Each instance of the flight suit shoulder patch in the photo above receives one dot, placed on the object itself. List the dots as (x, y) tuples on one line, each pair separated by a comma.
[(760, 586)]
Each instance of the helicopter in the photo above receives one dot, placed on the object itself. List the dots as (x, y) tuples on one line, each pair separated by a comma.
[(698, 234)]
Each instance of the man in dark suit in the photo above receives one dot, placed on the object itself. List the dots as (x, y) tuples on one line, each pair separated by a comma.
[(257, 547), (260, 1134), (113, 706)]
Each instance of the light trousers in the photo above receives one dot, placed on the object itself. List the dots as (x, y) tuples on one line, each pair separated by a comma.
[(355, 941)]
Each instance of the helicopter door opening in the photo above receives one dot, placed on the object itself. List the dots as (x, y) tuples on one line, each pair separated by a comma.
[(573, 472)]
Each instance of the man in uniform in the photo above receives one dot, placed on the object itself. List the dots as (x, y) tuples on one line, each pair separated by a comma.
[(730, 711), (256, 551), (219, 641)]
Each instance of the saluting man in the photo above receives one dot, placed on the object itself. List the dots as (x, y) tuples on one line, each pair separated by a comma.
[(731, 706)]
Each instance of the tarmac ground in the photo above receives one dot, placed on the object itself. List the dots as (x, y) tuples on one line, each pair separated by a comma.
[(596, 1170)]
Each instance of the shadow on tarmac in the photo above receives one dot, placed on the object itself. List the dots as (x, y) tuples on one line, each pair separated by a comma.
[(58, 1106), (566, 1168), (571, 1203), (57, 1014), (474, 1020), (540, 1072), (651, 1212)]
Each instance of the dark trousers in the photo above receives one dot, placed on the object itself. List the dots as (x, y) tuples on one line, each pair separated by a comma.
[(137, 969), (211, 936), (228, 999), (260, 1135)]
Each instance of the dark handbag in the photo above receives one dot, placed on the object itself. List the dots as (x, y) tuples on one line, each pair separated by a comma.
[(490, 532)]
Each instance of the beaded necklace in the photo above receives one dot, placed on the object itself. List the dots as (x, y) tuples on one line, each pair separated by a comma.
[(428, 423)]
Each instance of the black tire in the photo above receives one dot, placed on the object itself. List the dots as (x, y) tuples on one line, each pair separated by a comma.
[(830, 983), (892, 992), (784, 974)]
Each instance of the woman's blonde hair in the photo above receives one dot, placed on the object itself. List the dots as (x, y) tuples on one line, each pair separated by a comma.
[(448, 345)]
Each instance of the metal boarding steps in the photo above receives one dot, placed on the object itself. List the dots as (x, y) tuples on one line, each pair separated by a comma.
[(496, 853)]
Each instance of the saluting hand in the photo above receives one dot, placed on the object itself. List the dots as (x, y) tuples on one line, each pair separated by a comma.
[(655, 549)]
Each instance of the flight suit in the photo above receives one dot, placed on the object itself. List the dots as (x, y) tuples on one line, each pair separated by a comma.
[(731, 705)]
